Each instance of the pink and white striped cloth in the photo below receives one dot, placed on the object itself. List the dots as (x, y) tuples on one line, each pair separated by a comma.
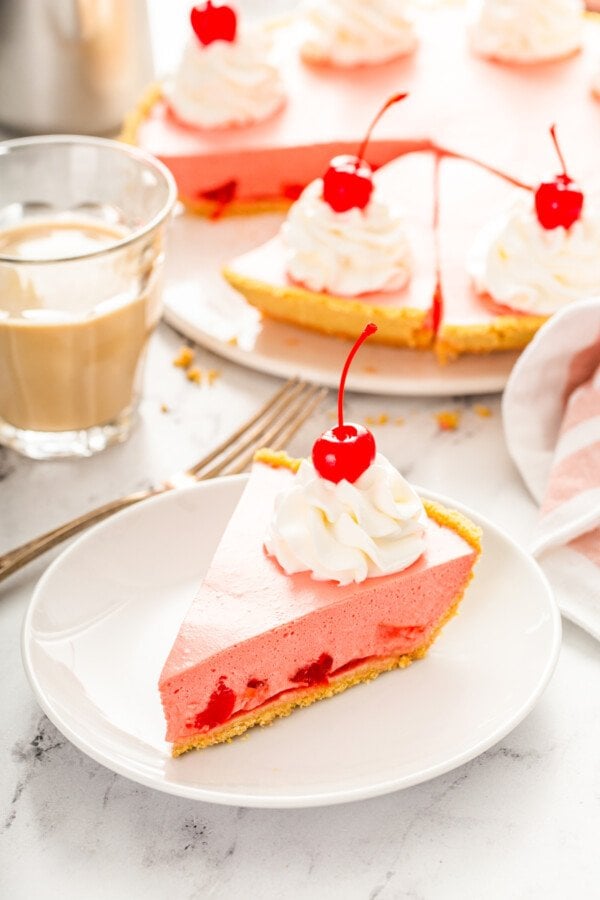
[(551, 412)]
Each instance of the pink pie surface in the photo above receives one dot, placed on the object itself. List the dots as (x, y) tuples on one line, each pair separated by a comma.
[(498, 112), (253, 632)]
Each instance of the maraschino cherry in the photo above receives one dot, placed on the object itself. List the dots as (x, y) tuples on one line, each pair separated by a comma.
[(558, 202), (347, 450), (348, 182), (213, 23)]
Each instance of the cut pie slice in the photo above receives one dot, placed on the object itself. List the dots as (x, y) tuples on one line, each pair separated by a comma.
[(404, 317), (257, 643), (470, 199)]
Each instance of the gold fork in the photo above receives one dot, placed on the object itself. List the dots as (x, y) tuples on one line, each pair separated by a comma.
[(274, 425)]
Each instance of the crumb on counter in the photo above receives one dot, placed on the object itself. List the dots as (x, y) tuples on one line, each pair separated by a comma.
[(194, 374), (399, 420), (184, 358), (381, 419), (277, 459), (211, 376), (164, 408), (484, 412), (448, 420), (233, 341)]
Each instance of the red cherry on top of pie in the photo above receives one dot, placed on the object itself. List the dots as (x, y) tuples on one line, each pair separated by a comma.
[(559, 202), (348, 181), (213, 23), (347, 450)]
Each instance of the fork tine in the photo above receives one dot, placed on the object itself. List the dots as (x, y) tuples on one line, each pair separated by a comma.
[(287, 434), (281, 432), (277, 420), (287, 388), (257, 435)]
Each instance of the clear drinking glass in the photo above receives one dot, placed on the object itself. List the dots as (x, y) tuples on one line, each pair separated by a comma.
[(82, 225)]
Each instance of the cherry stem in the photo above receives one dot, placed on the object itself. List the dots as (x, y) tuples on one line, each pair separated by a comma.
[(451, 154), (368, 330), (558, 150), (395, 98)]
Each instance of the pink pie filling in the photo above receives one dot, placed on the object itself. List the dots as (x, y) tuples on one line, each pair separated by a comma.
[(254, 632)]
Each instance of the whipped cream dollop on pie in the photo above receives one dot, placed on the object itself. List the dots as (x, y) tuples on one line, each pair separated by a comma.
[(346, 253), (524, 31), (355, 32), (226, 82), (347, 532), (533, 270)]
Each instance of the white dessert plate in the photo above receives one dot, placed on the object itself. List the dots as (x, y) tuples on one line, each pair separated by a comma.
[(105, 613), (202, 306)]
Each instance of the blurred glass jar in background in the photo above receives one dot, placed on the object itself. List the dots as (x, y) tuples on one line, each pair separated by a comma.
[(72, 66), (82, 224)]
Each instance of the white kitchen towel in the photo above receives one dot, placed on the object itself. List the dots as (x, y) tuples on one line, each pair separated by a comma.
[(551, 414)]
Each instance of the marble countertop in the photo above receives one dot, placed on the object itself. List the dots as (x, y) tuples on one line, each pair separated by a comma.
[(522, 820)]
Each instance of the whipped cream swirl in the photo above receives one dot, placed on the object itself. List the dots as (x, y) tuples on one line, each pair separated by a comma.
[(226, 83), (355, 32), (345, 253), (347, 532), (534, 270), (526, 30)]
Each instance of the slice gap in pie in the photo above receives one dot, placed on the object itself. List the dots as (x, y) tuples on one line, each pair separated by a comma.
[(470, 199)]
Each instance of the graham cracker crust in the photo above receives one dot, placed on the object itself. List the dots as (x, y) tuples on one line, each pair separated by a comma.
[(210, 209), (399, 326), (506, 332), (133, 121)]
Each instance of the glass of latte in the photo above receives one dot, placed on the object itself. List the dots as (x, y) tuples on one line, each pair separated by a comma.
[(82, 226)]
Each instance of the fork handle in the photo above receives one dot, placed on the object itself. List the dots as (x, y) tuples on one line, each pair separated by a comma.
[(15, 559)]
